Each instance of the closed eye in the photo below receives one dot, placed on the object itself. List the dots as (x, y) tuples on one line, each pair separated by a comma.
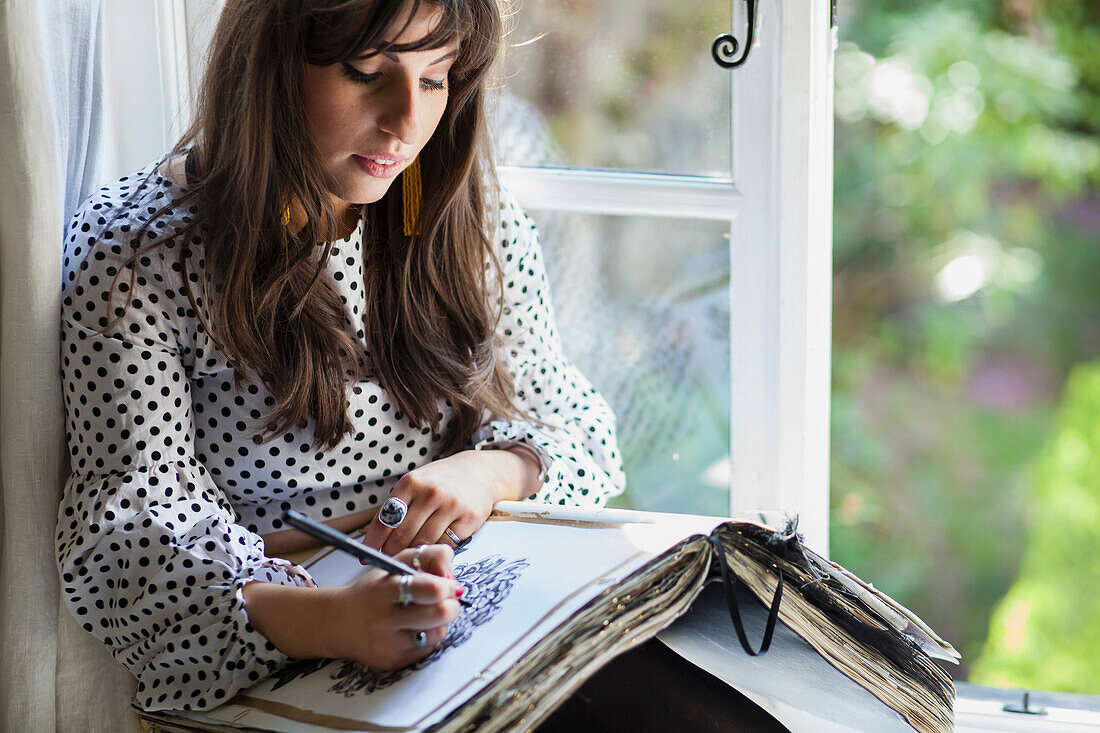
[(431, 85), (356, 75)]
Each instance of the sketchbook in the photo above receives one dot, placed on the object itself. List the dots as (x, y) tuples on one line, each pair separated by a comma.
[(556, 592)]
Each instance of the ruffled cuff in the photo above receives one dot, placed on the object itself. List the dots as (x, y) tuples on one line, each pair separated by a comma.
[(252, 656), (501, 434), (272, 570), (283, 572), (252, 659)]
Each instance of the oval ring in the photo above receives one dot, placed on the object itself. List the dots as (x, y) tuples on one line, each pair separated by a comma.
[(452, 536), (416, 557), (419, 639), (393, 512), (404, 591)]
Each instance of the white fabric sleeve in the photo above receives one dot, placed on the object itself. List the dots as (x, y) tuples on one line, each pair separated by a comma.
[(152, 561), (575, 441)]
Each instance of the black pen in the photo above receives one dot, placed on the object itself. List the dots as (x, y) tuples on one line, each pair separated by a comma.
[(341, 541)]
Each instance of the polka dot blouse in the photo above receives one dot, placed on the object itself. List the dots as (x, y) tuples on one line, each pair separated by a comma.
[(159, 527)]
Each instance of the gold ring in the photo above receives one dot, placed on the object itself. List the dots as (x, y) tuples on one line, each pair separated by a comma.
[(416, 557)]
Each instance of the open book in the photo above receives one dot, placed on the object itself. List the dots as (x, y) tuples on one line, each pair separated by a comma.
[(556, 592)]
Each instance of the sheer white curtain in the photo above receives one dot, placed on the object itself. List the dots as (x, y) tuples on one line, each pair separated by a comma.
[(53, 675)]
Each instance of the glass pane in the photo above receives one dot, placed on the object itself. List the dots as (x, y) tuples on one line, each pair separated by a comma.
[(618, 84), (642, 305)]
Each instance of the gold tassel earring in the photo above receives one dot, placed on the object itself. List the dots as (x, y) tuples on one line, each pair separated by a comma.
[(285, 218), (411, 192)]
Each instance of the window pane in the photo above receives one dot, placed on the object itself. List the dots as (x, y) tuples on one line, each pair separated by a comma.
[(614, 84), (642, 304)]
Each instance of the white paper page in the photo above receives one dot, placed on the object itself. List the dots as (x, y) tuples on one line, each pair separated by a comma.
[(791, 680), (523, 576)]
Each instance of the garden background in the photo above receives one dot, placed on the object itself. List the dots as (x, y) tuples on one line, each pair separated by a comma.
[(966, 320), (966, 311)]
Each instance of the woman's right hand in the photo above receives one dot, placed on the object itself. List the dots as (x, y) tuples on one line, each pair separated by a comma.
[(375, 629), (365, 620)]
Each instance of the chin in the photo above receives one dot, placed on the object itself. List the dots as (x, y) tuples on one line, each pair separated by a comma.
[(360, 194)]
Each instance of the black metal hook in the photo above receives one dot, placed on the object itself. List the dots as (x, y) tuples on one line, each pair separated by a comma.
[(724, 48)]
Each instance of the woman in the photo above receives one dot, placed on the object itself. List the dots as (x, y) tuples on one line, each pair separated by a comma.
[(266, 320)]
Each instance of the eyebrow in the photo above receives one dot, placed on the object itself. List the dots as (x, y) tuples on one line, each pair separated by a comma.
[(393, 57)]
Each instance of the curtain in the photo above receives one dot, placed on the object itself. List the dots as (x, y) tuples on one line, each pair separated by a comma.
[(53, 675)]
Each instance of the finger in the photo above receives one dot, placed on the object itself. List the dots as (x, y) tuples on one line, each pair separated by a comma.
[(399, 511), (425, 589), (429, 616), (401, 537), (433, 637), (414, 652), (377, 532), (434, 559), (404, 650), (464, 528), (432, 529)]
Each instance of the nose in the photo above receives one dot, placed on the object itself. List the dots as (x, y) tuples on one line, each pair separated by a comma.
[(399, 111)]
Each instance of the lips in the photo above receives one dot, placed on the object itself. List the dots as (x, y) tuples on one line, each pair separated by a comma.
[(380, 165)]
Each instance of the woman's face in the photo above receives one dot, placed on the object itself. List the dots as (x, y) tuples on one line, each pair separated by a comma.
[(371, 116)]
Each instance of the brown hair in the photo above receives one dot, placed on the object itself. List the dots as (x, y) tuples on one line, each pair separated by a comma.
[(428, 324)]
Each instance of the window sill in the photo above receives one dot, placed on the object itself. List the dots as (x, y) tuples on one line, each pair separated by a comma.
[(979, 708)]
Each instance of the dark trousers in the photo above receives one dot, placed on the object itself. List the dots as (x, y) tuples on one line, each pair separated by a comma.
[(651, 688)]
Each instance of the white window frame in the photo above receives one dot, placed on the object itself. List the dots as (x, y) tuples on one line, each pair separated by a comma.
[(779, 207)]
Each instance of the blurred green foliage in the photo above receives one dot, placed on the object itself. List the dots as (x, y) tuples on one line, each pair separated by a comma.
[(1046, 631), (966, 286)]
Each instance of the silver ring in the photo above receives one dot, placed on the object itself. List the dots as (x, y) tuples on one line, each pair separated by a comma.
[(404, 590), (419, 639), (393, 512), (416, 557), (452, 536)]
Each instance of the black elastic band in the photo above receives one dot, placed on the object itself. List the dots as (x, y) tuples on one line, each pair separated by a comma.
[(728, 580)]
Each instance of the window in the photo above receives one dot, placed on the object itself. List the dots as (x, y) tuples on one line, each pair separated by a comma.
[(687, 228), (686, 224), (685, 212)]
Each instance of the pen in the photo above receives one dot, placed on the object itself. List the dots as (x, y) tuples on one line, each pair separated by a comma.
[(341, 541)]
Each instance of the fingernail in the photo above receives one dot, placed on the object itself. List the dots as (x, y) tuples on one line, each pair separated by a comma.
[(362, 562), (459, 592)]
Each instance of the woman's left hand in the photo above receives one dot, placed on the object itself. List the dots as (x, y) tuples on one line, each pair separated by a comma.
[(456, 493)]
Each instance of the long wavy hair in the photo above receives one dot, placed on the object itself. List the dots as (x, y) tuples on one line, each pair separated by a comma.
[(429, 325)]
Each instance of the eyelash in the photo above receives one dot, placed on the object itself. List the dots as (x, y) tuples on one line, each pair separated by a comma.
[(428, 85)]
